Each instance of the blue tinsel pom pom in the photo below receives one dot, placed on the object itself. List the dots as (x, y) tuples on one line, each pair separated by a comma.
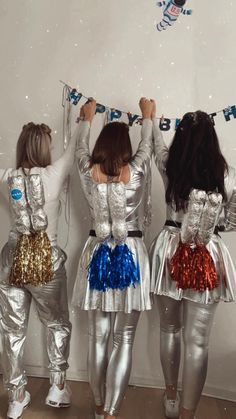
[(124, 272), (115, 269), (99, 268)]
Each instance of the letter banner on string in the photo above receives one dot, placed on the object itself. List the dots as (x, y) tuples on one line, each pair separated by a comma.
[(114, 114)]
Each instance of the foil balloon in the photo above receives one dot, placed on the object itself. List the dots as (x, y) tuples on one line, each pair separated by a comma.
[(171, 12)]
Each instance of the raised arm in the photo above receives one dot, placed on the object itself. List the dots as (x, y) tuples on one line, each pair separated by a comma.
[(228, 218), (143, 155), (82, 153), (62, 167), (160, 148)]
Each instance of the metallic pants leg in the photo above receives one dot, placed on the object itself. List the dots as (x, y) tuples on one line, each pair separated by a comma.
[(109, 379), (52, 307), (196, 321)]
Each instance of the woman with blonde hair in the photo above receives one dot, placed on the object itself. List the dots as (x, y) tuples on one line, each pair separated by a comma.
[(32, 265), (113, 275)]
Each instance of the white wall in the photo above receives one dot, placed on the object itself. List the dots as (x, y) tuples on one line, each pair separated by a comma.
[(114, 53)]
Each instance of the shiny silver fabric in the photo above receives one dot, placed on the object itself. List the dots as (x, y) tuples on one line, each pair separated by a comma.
[(147, 219), (21, 217), (27, 203), (191, 219), (230, 213), (17, 190), (52, 308), (36, 201), (133, 298), (101, 223), (35, 191), (165, 245), (117, 205), (109, 378), (109, 208), (195, 320), (209, 217)]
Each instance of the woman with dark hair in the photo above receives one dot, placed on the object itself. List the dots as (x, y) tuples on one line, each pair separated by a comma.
[(191, 267), (113, 274), (32, 266)]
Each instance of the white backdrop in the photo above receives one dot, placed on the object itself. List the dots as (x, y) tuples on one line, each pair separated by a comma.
[(111, 50)]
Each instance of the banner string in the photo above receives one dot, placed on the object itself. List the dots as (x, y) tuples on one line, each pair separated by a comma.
[(135, 118)]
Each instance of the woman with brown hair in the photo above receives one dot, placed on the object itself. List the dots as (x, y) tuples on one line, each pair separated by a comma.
[(113, 274), (32, 265)]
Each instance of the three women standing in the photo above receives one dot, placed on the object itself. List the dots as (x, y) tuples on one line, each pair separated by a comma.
[(191, 267)]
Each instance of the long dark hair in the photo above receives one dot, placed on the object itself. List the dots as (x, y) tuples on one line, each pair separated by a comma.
[(195, 160), (112, 149)]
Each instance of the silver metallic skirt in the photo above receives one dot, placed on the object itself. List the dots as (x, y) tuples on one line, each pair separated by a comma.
[(131, 298), (161, 251)]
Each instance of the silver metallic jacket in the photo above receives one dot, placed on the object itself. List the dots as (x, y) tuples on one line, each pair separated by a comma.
[(137, 190)]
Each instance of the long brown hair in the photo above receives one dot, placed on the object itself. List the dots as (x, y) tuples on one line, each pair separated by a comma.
[(33, 146), (195, 160), (112, 149)]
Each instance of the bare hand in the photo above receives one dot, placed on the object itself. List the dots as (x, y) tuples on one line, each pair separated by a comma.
[(146, 107), (89, 110)]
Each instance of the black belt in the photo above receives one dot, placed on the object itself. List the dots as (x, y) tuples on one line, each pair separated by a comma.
[(171, 223), (177, 224), (132, 233)]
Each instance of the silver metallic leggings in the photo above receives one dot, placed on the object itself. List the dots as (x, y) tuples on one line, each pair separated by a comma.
[(109, 379), (52, 307), (196, 320)]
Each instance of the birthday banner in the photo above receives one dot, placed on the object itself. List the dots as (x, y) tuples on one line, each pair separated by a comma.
[(112, 114)]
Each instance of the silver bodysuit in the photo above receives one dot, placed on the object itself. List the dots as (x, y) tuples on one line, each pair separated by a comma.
[(165, 244), (115, 209), (188, 312), (131, 298), (50, 298)]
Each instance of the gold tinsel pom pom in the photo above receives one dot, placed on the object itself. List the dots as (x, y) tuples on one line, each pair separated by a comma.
[(32, 263)]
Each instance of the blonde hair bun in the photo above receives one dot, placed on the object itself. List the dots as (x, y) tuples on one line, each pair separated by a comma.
[(43, 127)]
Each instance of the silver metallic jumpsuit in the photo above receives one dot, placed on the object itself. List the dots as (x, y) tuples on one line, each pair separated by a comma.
[(190, 310), (50, 299), (109, 377)]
